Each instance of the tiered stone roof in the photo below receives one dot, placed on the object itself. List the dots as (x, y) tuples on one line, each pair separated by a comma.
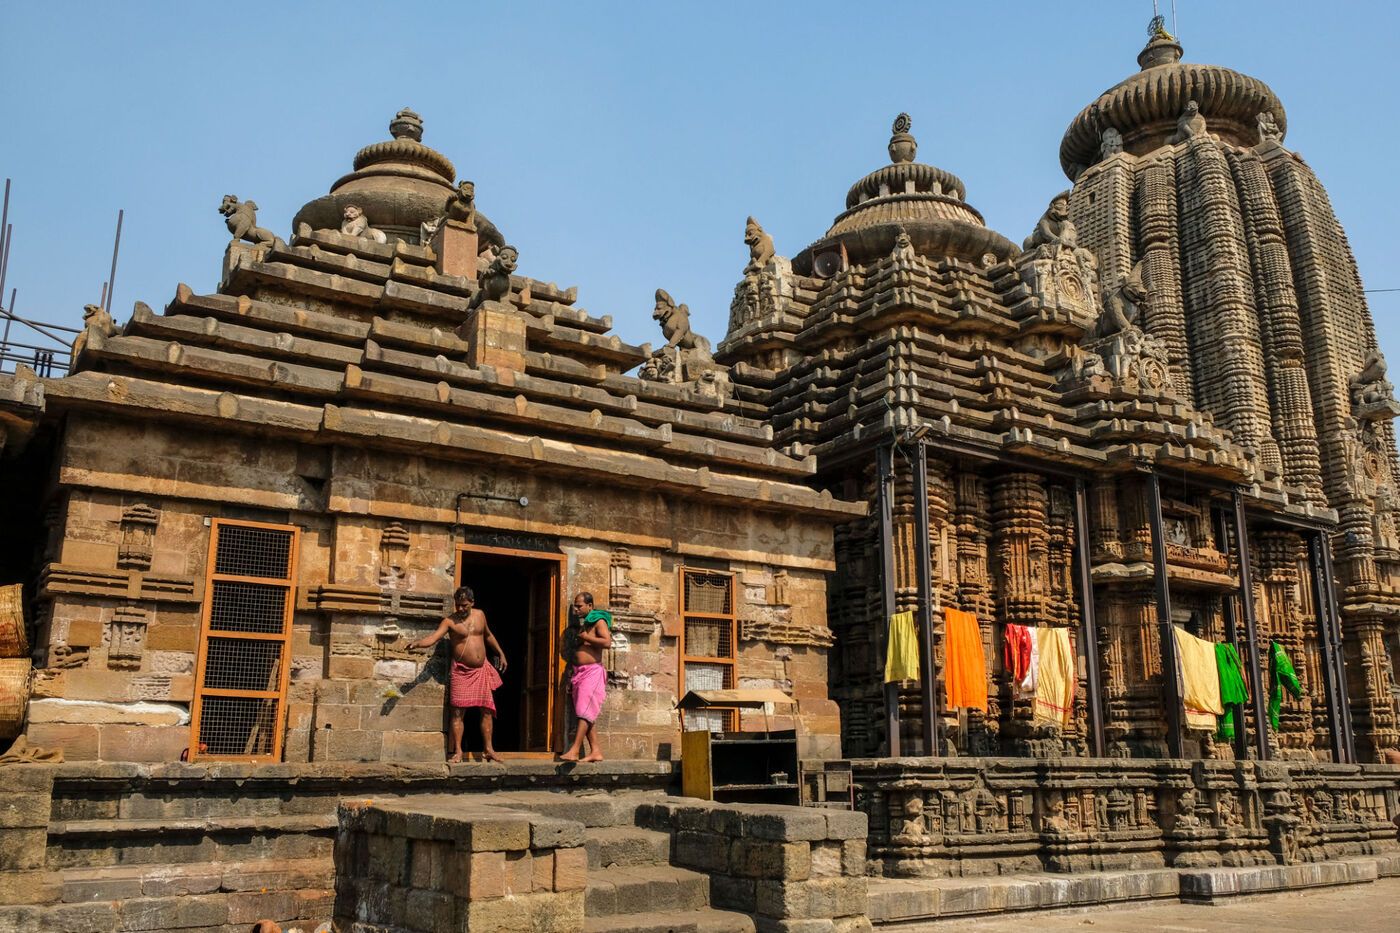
[(340, 340)]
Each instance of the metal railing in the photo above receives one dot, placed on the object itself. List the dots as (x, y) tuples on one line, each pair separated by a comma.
[(50, 355)]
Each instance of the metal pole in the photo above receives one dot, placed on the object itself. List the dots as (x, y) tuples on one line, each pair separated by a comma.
[(1251, 629), (928, 667), (1171, 668), (1316, 545), (5, 257), (885, 455), (102, 301), (5, 340), (1089, 629), (5, 231), (1339, 655), (112, 278), (1232, 635)]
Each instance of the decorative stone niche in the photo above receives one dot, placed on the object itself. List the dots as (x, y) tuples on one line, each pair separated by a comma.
[(619, 584), (138, 528), (126, 638), (393, 552)]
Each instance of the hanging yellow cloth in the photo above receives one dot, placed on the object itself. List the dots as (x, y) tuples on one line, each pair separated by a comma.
[(1200, 680), (1054, 676), (965, 676), (902, 656)]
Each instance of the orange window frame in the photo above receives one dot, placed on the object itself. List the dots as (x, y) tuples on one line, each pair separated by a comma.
[(731, 662), (279, 693)]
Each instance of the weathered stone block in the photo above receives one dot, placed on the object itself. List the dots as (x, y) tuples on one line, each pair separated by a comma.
[(815, 899), (702, 851), (790, 825), (570, 869), (754, 858)]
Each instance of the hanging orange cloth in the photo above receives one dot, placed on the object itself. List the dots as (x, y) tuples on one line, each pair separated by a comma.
[(965, 671)]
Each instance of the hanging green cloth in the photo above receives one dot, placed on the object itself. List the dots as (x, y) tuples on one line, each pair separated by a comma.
[(1232, 691), (1281, 675)]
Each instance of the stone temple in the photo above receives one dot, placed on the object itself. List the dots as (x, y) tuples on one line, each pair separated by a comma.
[(1164, 413)]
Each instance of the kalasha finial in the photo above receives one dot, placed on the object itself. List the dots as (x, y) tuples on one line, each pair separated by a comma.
[(902, 145), (406, 123)]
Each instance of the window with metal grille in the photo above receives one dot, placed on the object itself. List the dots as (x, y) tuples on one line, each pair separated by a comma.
[(708, 643), (245, 642)]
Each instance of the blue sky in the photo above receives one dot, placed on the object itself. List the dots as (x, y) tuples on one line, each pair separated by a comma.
[(620, 146)]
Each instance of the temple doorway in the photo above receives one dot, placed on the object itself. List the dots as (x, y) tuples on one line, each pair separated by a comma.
[(520, 593)]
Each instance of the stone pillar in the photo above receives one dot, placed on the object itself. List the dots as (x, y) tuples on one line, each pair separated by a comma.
[(455, 246), (495, 336)]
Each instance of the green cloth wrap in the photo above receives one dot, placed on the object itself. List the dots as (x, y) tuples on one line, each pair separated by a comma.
[(596, 616), (1232, 690), (1281, 675)]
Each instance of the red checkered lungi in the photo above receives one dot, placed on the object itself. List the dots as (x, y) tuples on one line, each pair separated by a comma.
[(472, 686)]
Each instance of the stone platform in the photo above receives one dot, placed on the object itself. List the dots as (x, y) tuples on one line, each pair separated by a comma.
[(99, 847), (910, 904)]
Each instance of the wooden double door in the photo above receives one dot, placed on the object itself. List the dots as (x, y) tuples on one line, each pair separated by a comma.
[(521, 593)]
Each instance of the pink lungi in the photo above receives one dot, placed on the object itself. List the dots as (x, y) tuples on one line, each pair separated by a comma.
[(472, 686), (588, 685)]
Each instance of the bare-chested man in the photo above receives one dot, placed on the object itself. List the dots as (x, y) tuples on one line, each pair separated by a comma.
[(472, 678), (589, 680)]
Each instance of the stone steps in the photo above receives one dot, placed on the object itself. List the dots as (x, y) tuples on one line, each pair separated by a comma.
[(690, 921), (626, 845), (174, 897), (593, 810), (640, 888), (910, 904), (97, 843)]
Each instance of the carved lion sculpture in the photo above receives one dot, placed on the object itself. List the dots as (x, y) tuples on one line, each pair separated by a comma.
[(1122, 305), (242, 221), (95, 317), (1055, 228), (495, 282), (675, 326), (356, 224), (760, 246), (461, 206), (1190, 124)]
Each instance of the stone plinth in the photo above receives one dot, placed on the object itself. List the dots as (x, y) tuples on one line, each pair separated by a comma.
[(455, 245), (790, 868), (495, 336), (452, 863)]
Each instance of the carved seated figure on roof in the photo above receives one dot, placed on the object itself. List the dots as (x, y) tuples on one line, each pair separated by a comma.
[(356, 224), (686, 357), (495, 281), (760, 246), (1061, 274), (1370, 385), (1190, 125), (97, 321), (1135, 360), (242, 221), (1268, 127)]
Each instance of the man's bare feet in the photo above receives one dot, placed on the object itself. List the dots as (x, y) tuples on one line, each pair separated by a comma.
[(593, 756), (490, 755), (569, 756), (455, 759)]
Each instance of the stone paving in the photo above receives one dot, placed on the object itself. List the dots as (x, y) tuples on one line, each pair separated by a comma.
[(1370, 908)]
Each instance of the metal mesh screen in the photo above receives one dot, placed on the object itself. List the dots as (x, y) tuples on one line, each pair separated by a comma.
[(709, 638), (708, 592), (242, 664), (237, 726), (253, 552), (246, 640), (236, 606)]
